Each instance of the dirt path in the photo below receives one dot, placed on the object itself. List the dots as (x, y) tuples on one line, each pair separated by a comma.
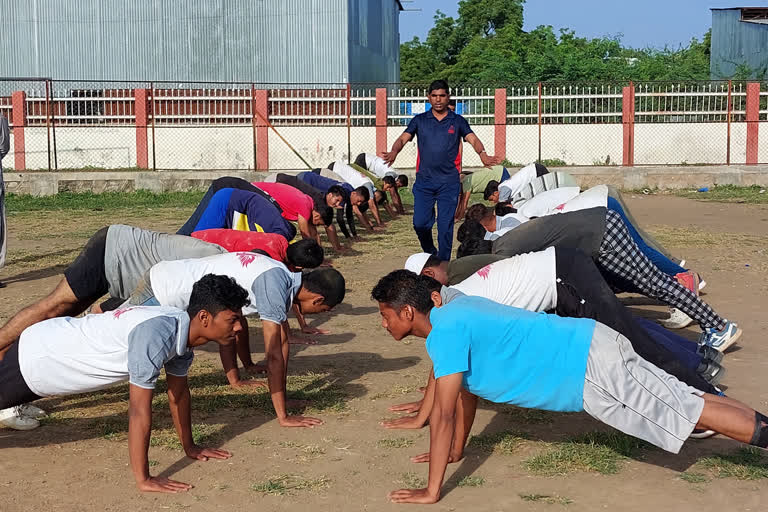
[(78, 460)]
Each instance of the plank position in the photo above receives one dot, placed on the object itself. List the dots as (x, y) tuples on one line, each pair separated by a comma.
[(354, 204), (355, 178), (300, 255), (506, 355), (475, 183), (272, 291), (64, 356), (391, 181), (298, 207)]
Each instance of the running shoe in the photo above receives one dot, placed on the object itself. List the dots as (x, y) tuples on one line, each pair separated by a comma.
[(30, 411), (707, 352), (13, 418), (711, 371), (677, 319), (700, 433), (721, 339)]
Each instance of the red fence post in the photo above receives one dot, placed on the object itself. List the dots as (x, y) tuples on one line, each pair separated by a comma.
[(261, 104), (141, 110), (19, 105), (628, 119), (500, 123), (381, 121), (753, 118)]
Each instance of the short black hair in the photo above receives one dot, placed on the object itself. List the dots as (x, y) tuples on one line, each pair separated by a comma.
[(452, 103), (214, 293), (336, 190), (326, 213), (305, 254), (473, 246), (403, 179), (470, 229), (330, 166), (327, 282), (389, 180), (363, 191), (478, 212), (383, 197), (490, 189), (503, 209), (402, 287), (432, 261), (360, 160), (439, 84)]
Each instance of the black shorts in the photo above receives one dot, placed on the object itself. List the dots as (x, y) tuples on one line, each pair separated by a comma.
[(13, 388), (360, 160), (87, 275)]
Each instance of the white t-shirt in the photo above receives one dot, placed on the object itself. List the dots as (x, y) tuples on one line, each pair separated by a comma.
[(591, 198), (351, 176), (270, 285), (65, 355), (526, 281), (563, 200), (511, 187), (378, 167)]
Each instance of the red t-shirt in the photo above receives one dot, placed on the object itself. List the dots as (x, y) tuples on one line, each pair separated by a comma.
[(236, 241), (294, 202)]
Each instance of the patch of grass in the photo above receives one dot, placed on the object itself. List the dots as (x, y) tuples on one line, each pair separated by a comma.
[(412, 480), (287, 484), (257, 442), (529, 415), (602, 452), (105, 201), (153, 463), (726, 194), (505, 442), (745, 464), (545, 498), (471, 481), (399, 442), (693, 478), (202, 434)]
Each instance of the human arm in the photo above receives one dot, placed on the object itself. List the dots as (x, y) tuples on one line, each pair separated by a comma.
[(487, 159), (463, 204), (275, 349), (390, 210), (180, 403), (397, 201), (363, 219), (340, 214), (139, 432), (333, 238), (306, 228), (466, 407), (375, 211), (5, 137), (305, 328), (389, 157), (228, 356), (441, 427)]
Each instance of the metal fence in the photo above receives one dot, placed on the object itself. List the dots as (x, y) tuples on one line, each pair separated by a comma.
[(170, 125)]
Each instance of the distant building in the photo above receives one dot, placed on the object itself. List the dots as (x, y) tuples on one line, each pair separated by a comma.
[(265, 41), (739, 42)]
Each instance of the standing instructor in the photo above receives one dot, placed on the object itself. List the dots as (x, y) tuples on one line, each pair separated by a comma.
[(438, 163)]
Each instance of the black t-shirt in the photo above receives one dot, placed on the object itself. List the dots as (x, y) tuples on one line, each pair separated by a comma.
[(583, 230)]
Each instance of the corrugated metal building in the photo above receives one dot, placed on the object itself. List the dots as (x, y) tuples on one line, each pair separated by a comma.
[(266, 41), (739, 42)]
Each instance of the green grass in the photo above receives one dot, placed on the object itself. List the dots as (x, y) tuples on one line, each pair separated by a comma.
[(202, 434), (745, 464), (282, 485), (545, 498), (504, 443), (718, 193), (413, 480), (399, 442), (105, 201), (601, 452), (693, 477), (471, 481)]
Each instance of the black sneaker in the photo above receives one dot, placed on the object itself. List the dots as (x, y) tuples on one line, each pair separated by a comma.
[(711, 371), (707, 352)]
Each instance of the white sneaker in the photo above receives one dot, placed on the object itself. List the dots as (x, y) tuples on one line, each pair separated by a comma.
[(702, 434), (30, 411), (681, 264), (677, 319), (12, 418)]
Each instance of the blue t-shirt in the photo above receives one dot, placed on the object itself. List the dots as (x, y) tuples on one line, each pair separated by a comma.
[(438, 143), (510, 355), (323, 183), (244, 211)]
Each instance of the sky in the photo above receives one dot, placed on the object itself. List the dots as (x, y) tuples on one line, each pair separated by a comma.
[(647, 23)]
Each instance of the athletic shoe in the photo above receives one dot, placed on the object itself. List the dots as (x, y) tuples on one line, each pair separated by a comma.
[(699, 433), (707, 352), (721, 339), (677, 319), (682, 263), (690, 280), (12, 418), (711, 371), (30, 411), (702, 283)]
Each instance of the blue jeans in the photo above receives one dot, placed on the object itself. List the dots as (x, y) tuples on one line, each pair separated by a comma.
[(662, 262), (685, 350), (425, 195)]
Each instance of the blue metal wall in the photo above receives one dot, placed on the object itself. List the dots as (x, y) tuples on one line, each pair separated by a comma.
[(267, 41), (736, 42)]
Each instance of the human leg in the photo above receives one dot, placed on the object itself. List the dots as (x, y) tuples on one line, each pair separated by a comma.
[(614, 193), (424, 199), (447, 201), (14, 392)]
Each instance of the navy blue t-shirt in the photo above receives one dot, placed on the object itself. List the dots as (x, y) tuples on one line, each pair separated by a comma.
[(438, 143)]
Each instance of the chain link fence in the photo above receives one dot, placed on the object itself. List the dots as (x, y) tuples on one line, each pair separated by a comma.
[(238, 126)]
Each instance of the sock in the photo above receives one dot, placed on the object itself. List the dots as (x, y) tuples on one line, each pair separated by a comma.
[(760, 437)]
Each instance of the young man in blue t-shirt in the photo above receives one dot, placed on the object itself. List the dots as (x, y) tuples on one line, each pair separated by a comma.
[(440, 132), (480, 348)]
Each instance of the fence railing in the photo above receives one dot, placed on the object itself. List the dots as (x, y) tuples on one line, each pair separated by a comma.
[(141, 124)]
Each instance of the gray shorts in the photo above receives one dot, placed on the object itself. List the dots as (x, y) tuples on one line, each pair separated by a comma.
[(143, 293), (630, 394)]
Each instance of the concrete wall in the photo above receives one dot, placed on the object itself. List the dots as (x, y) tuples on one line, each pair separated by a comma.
[(231, 147)]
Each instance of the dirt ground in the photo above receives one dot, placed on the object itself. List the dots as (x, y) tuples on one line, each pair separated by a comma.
[(519, 459)]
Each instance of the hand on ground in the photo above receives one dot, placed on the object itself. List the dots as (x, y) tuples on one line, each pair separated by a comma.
[(408, 408), (162, 484), (201, 453), (300, 421), (407, 422), (413, 496)]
